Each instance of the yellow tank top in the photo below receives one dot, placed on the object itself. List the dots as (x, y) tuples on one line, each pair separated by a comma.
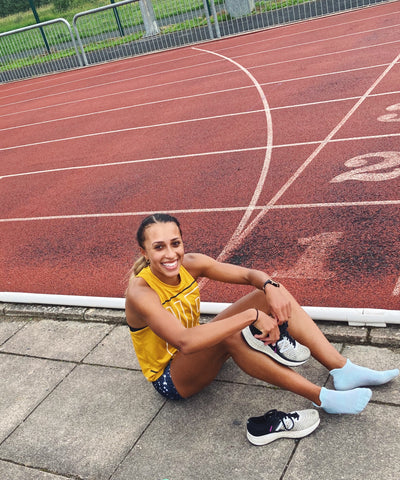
[(183, 301)]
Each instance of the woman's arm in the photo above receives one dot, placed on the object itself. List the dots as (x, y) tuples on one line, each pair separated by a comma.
[(200, 265), (143, 307)]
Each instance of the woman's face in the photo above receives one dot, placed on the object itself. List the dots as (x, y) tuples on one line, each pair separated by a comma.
[(163, 247)]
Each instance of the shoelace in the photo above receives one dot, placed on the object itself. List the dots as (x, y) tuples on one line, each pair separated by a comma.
[(285, 335), (275, 417)]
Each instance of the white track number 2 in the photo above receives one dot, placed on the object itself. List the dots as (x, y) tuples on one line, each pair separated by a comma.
[(391, 117), (371, 167)]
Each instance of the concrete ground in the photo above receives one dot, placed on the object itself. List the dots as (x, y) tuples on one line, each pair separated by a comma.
[(74, 405)]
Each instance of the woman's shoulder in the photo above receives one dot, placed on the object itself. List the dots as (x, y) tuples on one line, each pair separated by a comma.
[(195, 263), (136, 289), (140, 299)]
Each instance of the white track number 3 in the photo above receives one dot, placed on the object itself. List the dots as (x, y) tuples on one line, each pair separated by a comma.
[(371, 167)]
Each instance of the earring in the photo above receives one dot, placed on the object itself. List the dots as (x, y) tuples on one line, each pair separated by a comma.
[(147, 261)]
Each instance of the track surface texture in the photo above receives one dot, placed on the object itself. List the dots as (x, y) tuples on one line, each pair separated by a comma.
[(277, 150)]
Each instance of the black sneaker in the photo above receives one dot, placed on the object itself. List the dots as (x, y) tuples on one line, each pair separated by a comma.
[(286, 350), (275, 424)]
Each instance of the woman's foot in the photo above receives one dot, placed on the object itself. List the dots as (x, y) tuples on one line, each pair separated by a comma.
[(350, 401), (353, 376)]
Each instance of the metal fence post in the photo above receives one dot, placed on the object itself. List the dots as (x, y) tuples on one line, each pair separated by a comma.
[(35, 14), (216, 24), (149, 19), (116, 14), (206, 4)]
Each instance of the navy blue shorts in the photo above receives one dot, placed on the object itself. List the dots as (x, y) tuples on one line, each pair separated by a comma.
[(165, 386)]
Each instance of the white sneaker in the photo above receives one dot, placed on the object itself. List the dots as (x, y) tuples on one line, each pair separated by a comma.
[(286, 350), (274, 424)]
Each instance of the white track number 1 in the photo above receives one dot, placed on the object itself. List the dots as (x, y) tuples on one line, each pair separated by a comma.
[(313, 261), (386, 166)]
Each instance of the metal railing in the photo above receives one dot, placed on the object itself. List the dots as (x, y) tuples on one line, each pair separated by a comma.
[(38, 50), (136, 27)]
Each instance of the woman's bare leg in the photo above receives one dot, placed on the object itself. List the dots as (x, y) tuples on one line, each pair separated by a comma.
[(191, 373)]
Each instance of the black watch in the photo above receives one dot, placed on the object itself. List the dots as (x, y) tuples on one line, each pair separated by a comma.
[(270, 282)]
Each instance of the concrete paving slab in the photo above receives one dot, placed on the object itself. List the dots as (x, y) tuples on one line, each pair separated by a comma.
[(351, 447), (53, 312), (205, 438), (88, 424), (116, 350), (57, 339), (105, 315), (8, 327), (10, 471), (25, 382), (389, 336), (341, 332)]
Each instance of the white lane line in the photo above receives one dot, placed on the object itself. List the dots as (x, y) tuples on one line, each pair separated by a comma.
[(326, 54), (128, 129), (237, 241), (200, 154), (396, 290), (141, 160), (299, 206)]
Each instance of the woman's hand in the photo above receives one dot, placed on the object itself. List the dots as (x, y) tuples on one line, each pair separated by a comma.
[(268, 327), (279, 303)]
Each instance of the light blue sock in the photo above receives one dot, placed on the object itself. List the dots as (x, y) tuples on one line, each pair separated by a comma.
[(350, 401), (353, 376)]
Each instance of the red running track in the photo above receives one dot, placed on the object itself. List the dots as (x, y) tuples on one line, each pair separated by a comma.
[(277, 150)]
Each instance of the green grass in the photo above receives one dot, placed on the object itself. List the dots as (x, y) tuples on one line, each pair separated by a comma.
[(37, 59), (266, 6), (99, 24), (47, 12)]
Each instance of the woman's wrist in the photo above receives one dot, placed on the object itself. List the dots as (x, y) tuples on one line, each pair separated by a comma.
[(255, 320), (270, 282)]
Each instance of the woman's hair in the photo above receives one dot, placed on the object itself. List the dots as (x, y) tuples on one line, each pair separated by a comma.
[(141, 262)]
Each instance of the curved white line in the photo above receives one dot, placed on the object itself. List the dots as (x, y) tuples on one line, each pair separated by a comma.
[(267, 160)]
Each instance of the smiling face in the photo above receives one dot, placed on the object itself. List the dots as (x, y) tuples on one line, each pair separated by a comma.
[(163, 247)]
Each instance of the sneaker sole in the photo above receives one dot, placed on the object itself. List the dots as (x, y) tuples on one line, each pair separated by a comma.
[(255, 345), (270, 437)]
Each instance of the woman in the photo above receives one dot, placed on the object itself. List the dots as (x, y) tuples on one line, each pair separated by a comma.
[(181, 357)]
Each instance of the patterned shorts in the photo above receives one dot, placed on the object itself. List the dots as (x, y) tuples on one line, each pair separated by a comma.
[(165, 386)]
